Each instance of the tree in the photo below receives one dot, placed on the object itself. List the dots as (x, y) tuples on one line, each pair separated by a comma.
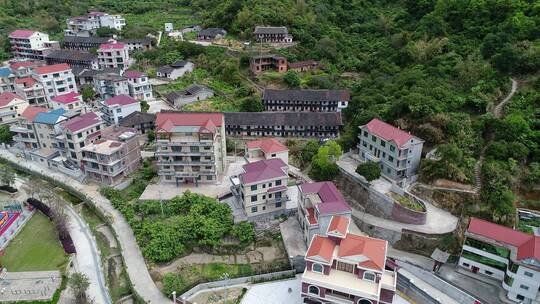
[(79, 285), (7, 175), (370, 170), (292, 79), (307, 152), (251, 104), (88, 93), (6, 136), (144, 106), (151, 135), (244, 231), (323, 165)]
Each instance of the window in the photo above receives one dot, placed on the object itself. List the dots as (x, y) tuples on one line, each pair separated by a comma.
[(278, 182), (253, 198), (313, 290), (253, 187), (365, 134), (392, 148), (390, 158), (383, 143), (520, 297), (278, 204), (369, 276), (373, 138), (466, 264), (364, 301), (317, 268), (524, 287), (254, 209), (79, 135), (528, 274), (488, 272)]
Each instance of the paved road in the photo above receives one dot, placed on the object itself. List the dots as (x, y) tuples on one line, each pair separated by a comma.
[(136, 267), (87, 258)]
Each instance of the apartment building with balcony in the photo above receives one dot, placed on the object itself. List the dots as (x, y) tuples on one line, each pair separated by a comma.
[(305, 100), (76, 133), (139, 85), (11, 107), (266, 148), (113, 54), (7, 80), (116, 108), (71, 102), (57, 79), (31, 90), (47, 126), (108, 85), (397, 152), (24, 133), (24, 68), (317, 204), (31, 44), (190, 147), (342, 267), (272, 34), (112, 158), (262, 187), (504, 254), (88, 24)]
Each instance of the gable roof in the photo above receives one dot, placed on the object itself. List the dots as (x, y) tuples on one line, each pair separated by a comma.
[(121, 100), (528, 245), (68, 98), (212, 32), (263, 170), (321, 248), (5, 72), (307, 95), (47, 69), (270, 30), (112, 46), (388, 132), (179, 64), (167, 120), (267, 145), (51, 117), (283, 118), (81, 122), (332, 201), (30, 112), (66, 54), (24, 64), (339, 226), (373, 250), (21, 34), (7, 97), (26, 81), (133, 74), (137, 118)]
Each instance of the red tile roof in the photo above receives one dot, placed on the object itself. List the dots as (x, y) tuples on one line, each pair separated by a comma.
[(26, 81), (331, 199), (21, 33), (112, 45), (20, 64), (47, 69), (166, 120), (133, 74), (30, 112), (81, 122), (267, 145), (121, 100), (372, 249), (68, 98), (338, 225), (311, 216), (263, 170), (527, 245), (388, 132), (7, 97), (321, 247)]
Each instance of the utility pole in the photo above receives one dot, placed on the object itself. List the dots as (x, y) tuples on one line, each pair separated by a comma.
[(225, 278)]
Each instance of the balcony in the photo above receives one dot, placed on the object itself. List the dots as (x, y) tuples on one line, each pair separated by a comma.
[(372, 157), (344, 282), (339, 299), (18, 129)]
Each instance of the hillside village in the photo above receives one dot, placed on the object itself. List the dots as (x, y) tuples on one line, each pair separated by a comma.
[(202, 164)]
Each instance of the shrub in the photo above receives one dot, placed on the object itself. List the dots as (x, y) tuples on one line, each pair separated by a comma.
[(369, 170), (244, 231)]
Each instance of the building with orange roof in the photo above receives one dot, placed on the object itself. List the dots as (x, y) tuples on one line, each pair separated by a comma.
[(267, 148), (504, 254), (190, 147), (342, 267), (57, 79), (31, 90), (11, 107), (24, 133)]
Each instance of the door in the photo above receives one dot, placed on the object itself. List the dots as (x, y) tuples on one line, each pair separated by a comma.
[(475, 269)]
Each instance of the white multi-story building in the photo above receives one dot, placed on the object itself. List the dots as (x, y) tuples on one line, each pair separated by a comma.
[(57, 79), (190, 147), (31, 90), (397, 152), (139, 86), (31, 44), (47, 127), (118, 107), (113, 54), (7, 80), (109, 85), (87, 25), (11, 107), (71, 102), (504, 254), (24, 133)]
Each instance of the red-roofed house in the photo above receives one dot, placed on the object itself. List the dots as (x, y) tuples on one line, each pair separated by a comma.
[(31, 90), (262, 187), (31, 44), (71, 101), (397, 152), (267, 148), (505, 254), (113, 54), (11, 107), (57, 79), (24, 68), (318, 203), (190, 147), (139, 86), (23, 130), (347, 268), (77, 133), (116, 108)]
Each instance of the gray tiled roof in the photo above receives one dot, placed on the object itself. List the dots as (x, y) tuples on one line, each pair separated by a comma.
[(284, 118), (270, 30), (71, 54), (307, 95), (137, 118)]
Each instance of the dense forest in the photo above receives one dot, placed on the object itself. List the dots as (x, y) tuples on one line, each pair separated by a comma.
[(435, 68)]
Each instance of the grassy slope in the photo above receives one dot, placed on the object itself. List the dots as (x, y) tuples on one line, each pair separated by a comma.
[(36, 248)]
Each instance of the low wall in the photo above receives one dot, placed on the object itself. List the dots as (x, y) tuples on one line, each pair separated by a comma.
[(250, 279), (406, 215)]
